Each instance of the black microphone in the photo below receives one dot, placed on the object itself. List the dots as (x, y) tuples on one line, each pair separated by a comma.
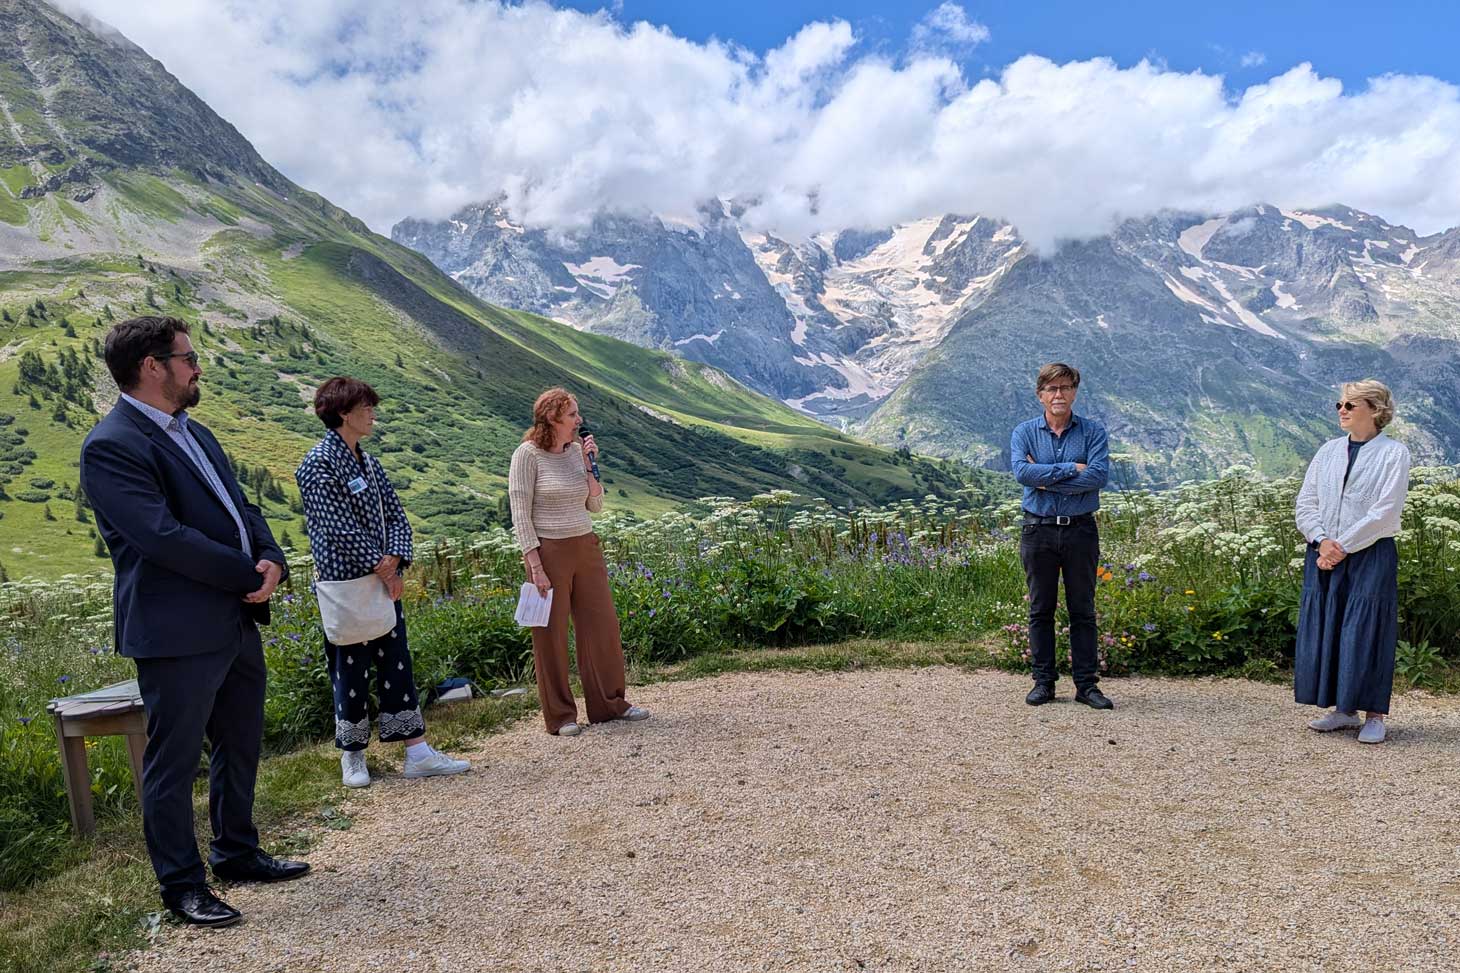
[(583, 430)]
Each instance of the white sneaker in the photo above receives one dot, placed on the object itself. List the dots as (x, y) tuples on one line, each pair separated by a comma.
[(352, 767), (435, 764), (635, 713), (1335, 720), (1373, 731), (569, 730)]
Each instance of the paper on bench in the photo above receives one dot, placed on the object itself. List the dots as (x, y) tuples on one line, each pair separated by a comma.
[(533, 608)]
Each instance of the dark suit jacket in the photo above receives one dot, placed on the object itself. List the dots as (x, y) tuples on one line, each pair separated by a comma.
[(181, 573)]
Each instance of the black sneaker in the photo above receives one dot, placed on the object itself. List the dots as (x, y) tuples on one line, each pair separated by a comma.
[(1093, 698), (1042, 693)]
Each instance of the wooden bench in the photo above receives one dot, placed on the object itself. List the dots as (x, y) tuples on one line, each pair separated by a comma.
[(109, 711)]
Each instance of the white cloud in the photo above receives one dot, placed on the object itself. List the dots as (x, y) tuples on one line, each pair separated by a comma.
[(1254, 59), (393, 110), (948, 25)]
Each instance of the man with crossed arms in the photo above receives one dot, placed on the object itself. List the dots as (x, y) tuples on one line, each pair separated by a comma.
[(1062, 460)]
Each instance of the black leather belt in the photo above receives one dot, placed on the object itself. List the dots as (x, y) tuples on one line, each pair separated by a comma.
[(1061, 521)]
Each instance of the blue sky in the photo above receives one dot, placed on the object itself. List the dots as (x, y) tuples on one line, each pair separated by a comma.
[(1348, 40), (1062, 117)]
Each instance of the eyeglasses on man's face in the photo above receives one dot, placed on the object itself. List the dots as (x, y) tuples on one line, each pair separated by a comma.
[(1065, 389)]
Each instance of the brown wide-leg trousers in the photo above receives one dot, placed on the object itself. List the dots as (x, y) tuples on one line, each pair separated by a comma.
[(579, 577)]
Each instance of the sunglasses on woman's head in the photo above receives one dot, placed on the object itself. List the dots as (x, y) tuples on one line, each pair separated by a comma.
[(1347, 406)]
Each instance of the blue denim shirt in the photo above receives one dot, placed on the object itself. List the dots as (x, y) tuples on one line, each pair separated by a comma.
[(1052, 485)]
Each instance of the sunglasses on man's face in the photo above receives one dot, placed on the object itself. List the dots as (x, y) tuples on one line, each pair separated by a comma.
[(1347, 406), (190, 357)]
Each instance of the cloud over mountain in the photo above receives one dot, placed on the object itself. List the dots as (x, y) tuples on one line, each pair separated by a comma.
[(394, 110)]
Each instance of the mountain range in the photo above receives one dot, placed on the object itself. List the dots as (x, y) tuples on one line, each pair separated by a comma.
[(123, 193), (1204, 339)]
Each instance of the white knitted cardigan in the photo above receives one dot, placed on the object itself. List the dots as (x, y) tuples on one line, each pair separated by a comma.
[(1365, 510)]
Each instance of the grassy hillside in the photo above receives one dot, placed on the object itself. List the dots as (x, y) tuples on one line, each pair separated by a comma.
[(283, 293)]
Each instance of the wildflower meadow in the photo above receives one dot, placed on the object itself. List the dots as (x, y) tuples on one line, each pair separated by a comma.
[(1201, 579)]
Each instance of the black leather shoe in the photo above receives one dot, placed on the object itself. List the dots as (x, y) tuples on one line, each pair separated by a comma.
[(200, 907), (1093, 698), (259, 867), (1042, 693)]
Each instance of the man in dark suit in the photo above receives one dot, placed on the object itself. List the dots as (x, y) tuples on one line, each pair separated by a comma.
[(195, 566)]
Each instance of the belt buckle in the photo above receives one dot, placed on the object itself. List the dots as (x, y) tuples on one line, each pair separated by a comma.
[(1061, 521)]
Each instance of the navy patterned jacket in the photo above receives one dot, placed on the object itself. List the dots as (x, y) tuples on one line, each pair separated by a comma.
[(343, 522)]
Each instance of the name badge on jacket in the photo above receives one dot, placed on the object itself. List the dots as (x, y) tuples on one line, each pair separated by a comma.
[(356, 486)]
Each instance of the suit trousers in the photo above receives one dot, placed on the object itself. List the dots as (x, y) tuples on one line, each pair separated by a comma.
[(1049, 551), (219, 695), (579, 576)]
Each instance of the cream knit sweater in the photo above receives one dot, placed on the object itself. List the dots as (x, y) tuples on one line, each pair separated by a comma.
[(549, 495)]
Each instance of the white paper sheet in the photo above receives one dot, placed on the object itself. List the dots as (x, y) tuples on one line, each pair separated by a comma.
[(533, 608)]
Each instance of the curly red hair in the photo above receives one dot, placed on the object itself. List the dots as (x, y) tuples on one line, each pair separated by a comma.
[(547, 410)]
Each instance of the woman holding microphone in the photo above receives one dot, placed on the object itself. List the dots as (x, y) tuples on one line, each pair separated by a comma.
[(552, 489)]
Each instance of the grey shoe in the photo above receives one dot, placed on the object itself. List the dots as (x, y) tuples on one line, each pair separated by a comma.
[(436, 764), (352, 768), (635, 713), (569, 730), (1335, 720), (1373, 731)]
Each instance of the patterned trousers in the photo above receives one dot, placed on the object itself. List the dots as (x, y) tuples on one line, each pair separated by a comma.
[(389, 657)]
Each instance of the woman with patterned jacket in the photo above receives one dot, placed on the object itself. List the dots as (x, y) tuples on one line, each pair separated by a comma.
[(345, 494)]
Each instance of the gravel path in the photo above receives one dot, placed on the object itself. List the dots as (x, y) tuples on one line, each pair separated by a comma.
[(892, 820)]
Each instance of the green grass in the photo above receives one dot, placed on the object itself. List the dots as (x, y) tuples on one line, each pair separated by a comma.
[(16, 178), (150, 195), (13, 211)]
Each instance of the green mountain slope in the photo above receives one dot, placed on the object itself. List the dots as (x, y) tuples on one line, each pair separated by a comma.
[(121, 193)]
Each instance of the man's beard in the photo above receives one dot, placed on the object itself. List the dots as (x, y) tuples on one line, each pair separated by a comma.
[(181, 396)]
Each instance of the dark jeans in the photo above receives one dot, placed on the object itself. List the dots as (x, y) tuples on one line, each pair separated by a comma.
[(219, 695), (1047, 551)]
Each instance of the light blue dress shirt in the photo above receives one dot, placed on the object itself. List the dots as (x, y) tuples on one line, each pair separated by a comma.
[(176, 428)]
